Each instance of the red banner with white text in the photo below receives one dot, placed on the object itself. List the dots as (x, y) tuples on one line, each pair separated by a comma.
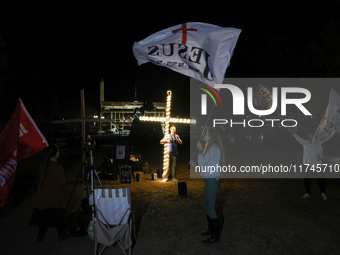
[(20, 139)]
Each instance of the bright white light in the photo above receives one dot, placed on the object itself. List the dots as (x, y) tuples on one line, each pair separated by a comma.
[(167, 121)]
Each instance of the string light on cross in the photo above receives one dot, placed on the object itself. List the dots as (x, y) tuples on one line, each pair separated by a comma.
[(167, 120)]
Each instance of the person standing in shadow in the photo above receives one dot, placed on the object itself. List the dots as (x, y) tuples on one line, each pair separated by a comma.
[(50, 203)]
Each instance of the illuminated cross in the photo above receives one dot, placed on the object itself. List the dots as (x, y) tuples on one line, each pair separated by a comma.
[(184, 29), (167, 120)]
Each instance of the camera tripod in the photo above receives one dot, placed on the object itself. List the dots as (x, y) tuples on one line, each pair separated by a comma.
[(89, 173), (88, 177)]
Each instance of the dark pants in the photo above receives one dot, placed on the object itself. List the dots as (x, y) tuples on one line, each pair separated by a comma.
[(321, 183), (51, 217), (210, 192), (173, 161)]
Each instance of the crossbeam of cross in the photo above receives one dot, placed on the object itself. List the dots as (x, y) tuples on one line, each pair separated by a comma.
[(82, 120), (167, 120)]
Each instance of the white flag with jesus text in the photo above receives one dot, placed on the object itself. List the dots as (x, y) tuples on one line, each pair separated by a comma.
[(198, 50)]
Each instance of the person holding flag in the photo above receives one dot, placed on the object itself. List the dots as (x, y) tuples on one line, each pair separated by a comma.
[(313, 152), (211, 154), (312, 155), (201, 51)]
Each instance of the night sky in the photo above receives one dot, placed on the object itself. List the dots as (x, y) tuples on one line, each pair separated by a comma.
[(51, 57)]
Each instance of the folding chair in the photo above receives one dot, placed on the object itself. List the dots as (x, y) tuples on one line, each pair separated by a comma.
[(113, 220)]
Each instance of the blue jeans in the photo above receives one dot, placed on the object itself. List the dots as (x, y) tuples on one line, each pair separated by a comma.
[(210, 191)]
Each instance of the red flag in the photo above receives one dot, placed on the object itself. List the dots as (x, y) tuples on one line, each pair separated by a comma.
[(20, 139)]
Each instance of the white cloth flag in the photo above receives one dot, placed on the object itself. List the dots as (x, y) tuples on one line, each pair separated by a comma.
[(198, 50), (330, 122)]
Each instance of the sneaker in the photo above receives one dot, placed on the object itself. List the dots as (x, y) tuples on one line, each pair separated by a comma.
[(307, 195), (324, 196), (175, 179)]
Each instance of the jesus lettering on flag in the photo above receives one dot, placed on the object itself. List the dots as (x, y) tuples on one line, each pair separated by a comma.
[(198, 50)]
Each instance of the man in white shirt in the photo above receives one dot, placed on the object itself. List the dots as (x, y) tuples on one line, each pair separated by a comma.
[(312, 155)]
